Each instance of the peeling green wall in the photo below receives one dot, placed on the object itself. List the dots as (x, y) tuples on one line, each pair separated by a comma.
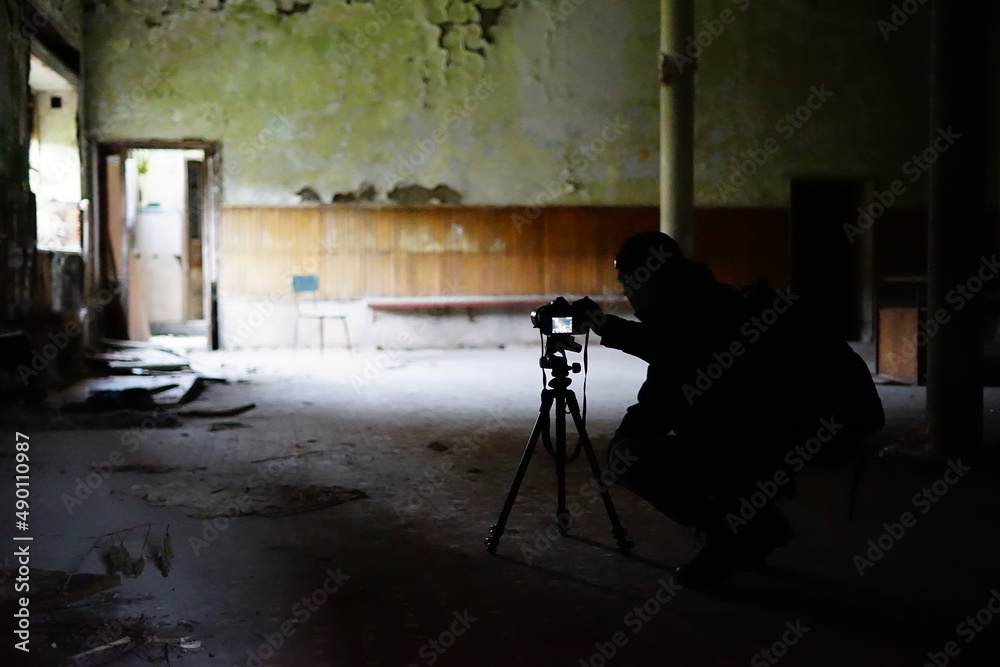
[(300, 96), (333, 95), (762, 66)]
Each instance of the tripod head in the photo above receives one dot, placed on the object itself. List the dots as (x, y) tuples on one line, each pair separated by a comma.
[(554, 358)]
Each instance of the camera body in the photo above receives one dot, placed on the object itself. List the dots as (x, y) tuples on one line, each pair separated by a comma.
[(561, 317)]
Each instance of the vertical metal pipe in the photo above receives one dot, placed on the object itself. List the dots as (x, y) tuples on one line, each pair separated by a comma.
[(677, 123)]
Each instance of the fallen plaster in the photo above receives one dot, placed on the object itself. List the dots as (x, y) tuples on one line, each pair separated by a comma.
[(418, 194), (467, 27), (309, 196), (366, 192)]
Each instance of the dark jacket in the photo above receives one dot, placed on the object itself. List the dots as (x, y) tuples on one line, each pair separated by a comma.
[(754, 371)]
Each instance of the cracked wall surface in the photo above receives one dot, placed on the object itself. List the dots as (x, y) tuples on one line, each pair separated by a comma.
[(509, 102), (500, 101)]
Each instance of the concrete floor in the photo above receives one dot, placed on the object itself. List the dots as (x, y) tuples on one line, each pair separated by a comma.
[(433, 439)]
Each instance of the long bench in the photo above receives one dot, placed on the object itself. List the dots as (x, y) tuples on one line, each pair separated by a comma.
[(470, 301)]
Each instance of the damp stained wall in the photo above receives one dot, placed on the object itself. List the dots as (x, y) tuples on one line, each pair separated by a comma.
[(759, 61), (500, 101), (336, 96)]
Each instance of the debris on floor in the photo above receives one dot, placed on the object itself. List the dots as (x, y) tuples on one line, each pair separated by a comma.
[(288, 456), (91, 640), (127, 385), (145, 468), (226, 426), (229, 496), (218, 412)]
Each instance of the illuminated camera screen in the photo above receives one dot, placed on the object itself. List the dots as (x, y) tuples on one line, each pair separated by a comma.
[(562, 325)]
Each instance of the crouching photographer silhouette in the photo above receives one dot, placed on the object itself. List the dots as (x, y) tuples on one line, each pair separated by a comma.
[(725, 419)]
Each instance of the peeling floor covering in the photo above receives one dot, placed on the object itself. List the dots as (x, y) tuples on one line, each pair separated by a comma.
[(409, 564)]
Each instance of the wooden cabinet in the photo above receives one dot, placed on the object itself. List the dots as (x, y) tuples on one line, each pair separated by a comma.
[(901, 349)]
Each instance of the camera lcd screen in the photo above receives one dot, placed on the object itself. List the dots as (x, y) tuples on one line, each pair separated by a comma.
[(562, 325)]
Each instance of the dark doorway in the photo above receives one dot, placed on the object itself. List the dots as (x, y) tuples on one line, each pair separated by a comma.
[(827, 266)]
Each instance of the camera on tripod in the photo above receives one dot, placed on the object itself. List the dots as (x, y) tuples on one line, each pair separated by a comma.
[(560, 321), (562, 317)]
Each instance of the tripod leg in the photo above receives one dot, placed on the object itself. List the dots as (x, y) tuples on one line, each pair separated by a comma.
[(617, 530), (541, 426), (563, 519)]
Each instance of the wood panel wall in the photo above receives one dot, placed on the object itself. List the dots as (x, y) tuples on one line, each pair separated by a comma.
[(742, 244), (425, 251)]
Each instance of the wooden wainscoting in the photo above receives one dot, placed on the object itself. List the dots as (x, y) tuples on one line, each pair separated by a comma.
[(362, 252), (742, 244)]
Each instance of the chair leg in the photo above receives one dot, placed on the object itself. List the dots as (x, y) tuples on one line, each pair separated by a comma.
[(295, 336), (347, 333), (322, 352)]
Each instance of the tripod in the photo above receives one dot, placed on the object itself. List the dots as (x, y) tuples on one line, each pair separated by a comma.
[(563, 397)]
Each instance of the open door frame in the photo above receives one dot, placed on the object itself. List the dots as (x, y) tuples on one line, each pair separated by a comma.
[(211, 198)]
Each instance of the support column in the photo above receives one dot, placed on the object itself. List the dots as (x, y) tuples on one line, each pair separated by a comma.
[(957, 228), (677, 123)]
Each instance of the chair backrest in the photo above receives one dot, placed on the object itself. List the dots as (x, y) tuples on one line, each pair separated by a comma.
[(305, 283)]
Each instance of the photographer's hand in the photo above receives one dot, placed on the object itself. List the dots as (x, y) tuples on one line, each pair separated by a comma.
[(591, 313)]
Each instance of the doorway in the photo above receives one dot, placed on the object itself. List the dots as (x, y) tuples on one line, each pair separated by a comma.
[(826, 265), (158, 214)]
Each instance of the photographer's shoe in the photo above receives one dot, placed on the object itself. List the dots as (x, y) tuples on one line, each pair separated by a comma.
[(726, 553)]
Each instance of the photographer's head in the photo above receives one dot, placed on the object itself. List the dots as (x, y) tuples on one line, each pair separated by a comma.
[(648, 265)]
